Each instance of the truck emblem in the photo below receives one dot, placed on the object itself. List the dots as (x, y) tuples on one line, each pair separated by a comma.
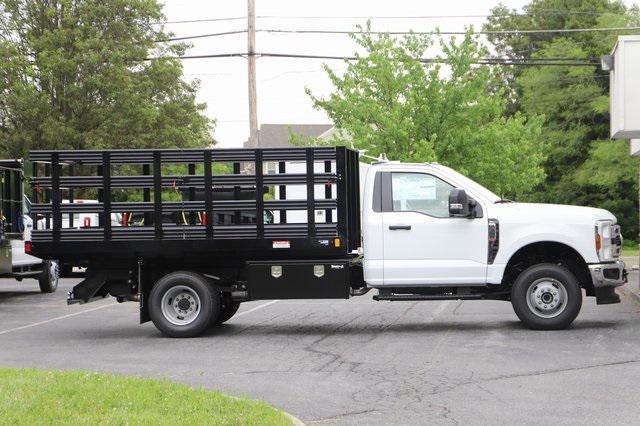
[(318, 270), (276, 271)]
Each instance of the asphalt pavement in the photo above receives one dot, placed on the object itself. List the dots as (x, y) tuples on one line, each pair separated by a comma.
[(356, 361)]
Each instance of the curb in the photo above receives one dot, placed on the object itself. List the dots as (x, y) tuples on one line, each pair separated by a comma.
[(296, 421), (635, 296), (628, 290)]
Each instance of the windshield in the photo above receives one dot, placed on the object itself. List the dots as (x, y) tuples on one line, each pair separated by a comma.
[(473, 185)]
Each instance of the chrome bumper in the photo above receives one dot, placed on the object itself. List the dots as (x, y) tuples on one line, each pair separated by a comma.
[(608, 274)]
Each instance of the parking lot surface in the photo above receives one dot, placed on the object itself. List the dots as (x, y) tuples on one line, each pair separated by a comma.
[(355, 361)]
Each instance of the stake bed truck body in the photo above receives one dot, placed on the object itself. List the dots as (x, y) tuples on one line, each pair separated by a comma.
[(213, 232)]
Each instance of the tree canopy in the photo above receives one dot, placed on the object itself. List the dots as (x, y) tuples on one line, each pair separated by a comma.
[(582, 165), (389, 101), (75, 75)]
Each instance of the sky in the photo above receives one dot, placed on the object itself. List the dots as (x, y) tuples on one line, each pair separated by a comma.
[(281, 82)]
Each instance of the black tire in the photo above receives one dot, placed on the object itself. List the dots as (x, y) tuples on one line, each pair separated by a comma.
[(546, 297), (228, 309), (193, 293), (48, 279)]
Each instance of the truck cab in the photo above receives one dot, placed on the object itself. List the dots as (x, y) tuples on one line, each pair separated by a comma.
[(428, 227)]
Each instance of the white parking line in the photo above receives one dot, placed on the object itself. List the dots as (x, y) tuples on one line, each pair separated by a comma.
[(264, 305), (35, 324)]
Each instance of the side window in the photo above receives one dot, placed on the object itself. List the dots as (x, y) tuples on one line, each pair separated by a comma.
[(420, 192)]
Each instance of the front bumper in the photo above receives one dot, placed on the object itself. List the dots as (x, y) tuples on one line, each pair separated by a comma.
[(608, 274)]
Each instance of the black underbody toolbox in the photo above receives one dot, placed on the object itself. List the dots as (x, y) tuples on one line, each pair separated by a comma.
[(308, 279)]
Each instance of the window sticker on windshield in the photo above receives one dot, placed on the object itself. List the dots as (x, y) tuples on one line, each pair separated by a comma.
[(413, 187)]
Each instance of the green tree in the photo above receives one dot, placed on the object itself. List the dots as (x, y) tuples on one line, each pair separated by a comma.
[(389, 101), (574, 101), (73, 75)]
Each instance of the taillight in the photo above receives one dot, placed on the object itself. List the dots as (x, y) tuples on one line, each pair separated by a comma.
[(27, 247), (87, 222)]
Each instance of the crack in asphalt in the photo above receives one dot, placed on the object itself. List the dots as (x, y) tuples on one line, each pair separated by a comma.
[(335, 357), (437, 391), (339, 416)]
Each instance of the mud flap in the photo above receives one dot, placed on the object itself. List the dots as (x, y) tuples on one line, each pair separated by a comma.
[(93, 287), (606, 296)]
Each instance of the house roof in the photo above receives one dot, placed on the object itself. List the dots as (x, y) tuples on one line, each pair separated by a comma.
[(277, 135)]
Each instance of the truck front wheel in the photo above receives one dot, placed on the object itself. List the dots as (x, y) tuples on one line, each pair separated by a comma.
[(546, 297), (183, 304)]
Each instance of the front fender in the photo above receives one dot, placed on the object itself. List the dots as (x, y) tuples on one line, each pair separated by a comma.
[(573, 236)]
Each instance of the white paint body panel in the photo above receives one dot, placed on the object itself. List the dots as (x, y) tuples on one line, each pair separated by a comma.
[(453, 251)]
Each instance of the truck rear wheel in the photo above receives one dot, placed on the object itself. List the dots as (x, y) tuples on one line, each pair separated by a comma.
[(183, 304), (228, 309), (48, 279), (546, 297)]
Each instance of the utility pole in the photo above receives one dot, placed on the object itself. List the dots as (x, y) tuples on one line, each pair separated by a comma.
[(253, 107)]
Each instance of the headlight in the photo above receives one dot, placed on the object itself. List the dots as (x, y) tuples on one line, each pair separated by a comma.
[(608, 240)]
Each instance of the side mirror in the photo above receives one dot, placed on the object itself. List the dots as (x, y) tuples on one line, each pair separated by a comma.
[(459, 203)]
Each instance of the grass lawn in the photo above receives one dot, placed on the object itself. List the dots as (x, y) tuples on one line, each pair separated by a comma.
[(30, 397), (629, 248)]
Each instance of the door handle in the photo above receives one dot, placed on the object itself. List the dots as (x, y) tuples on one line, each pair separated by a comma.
[(399, 227)]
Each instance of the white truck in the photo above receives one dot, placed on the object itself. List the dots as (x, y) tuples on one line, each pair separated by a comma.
[(427, 226), (422, 232), (15, 229)]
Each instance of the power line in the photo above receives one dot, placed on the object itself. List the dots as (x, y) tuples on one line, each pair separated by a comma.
[(482, 61), (330, 32), (209, 56), (203, 36), (193, 21), (505, 32), (285, 17)]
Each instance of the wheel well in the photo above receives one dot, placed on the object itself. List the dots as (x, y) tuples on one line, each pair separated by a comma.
[(548, 252)]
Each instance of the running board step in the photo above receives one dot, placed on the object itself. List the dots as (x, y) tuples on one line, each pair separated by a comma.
[(410, 297)]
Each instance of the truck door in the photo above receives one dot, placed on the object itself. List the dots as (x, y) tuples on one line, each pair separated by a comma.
[(422, 244)]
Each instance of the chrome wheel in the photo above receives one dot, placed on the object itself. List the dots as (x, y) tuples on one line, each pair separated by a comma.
[(547, 297), (180, 305)]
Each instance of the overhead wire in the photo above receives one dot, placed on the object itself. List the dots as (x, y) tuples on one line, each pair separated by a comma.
[(285, 17), (435, 32), (482, 61), (432, 32)]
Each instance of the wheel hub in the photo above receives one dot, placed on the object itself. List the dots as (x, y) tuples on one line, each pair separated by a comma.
[(180, 305), (547, 297)]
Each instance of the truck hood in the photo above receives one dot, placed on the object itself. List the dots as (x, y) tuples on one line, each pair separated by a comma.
[(559, 213)]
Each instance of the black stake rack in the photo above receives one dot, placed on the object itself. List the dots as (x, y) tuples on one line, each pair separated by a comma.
[(57, 177)]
